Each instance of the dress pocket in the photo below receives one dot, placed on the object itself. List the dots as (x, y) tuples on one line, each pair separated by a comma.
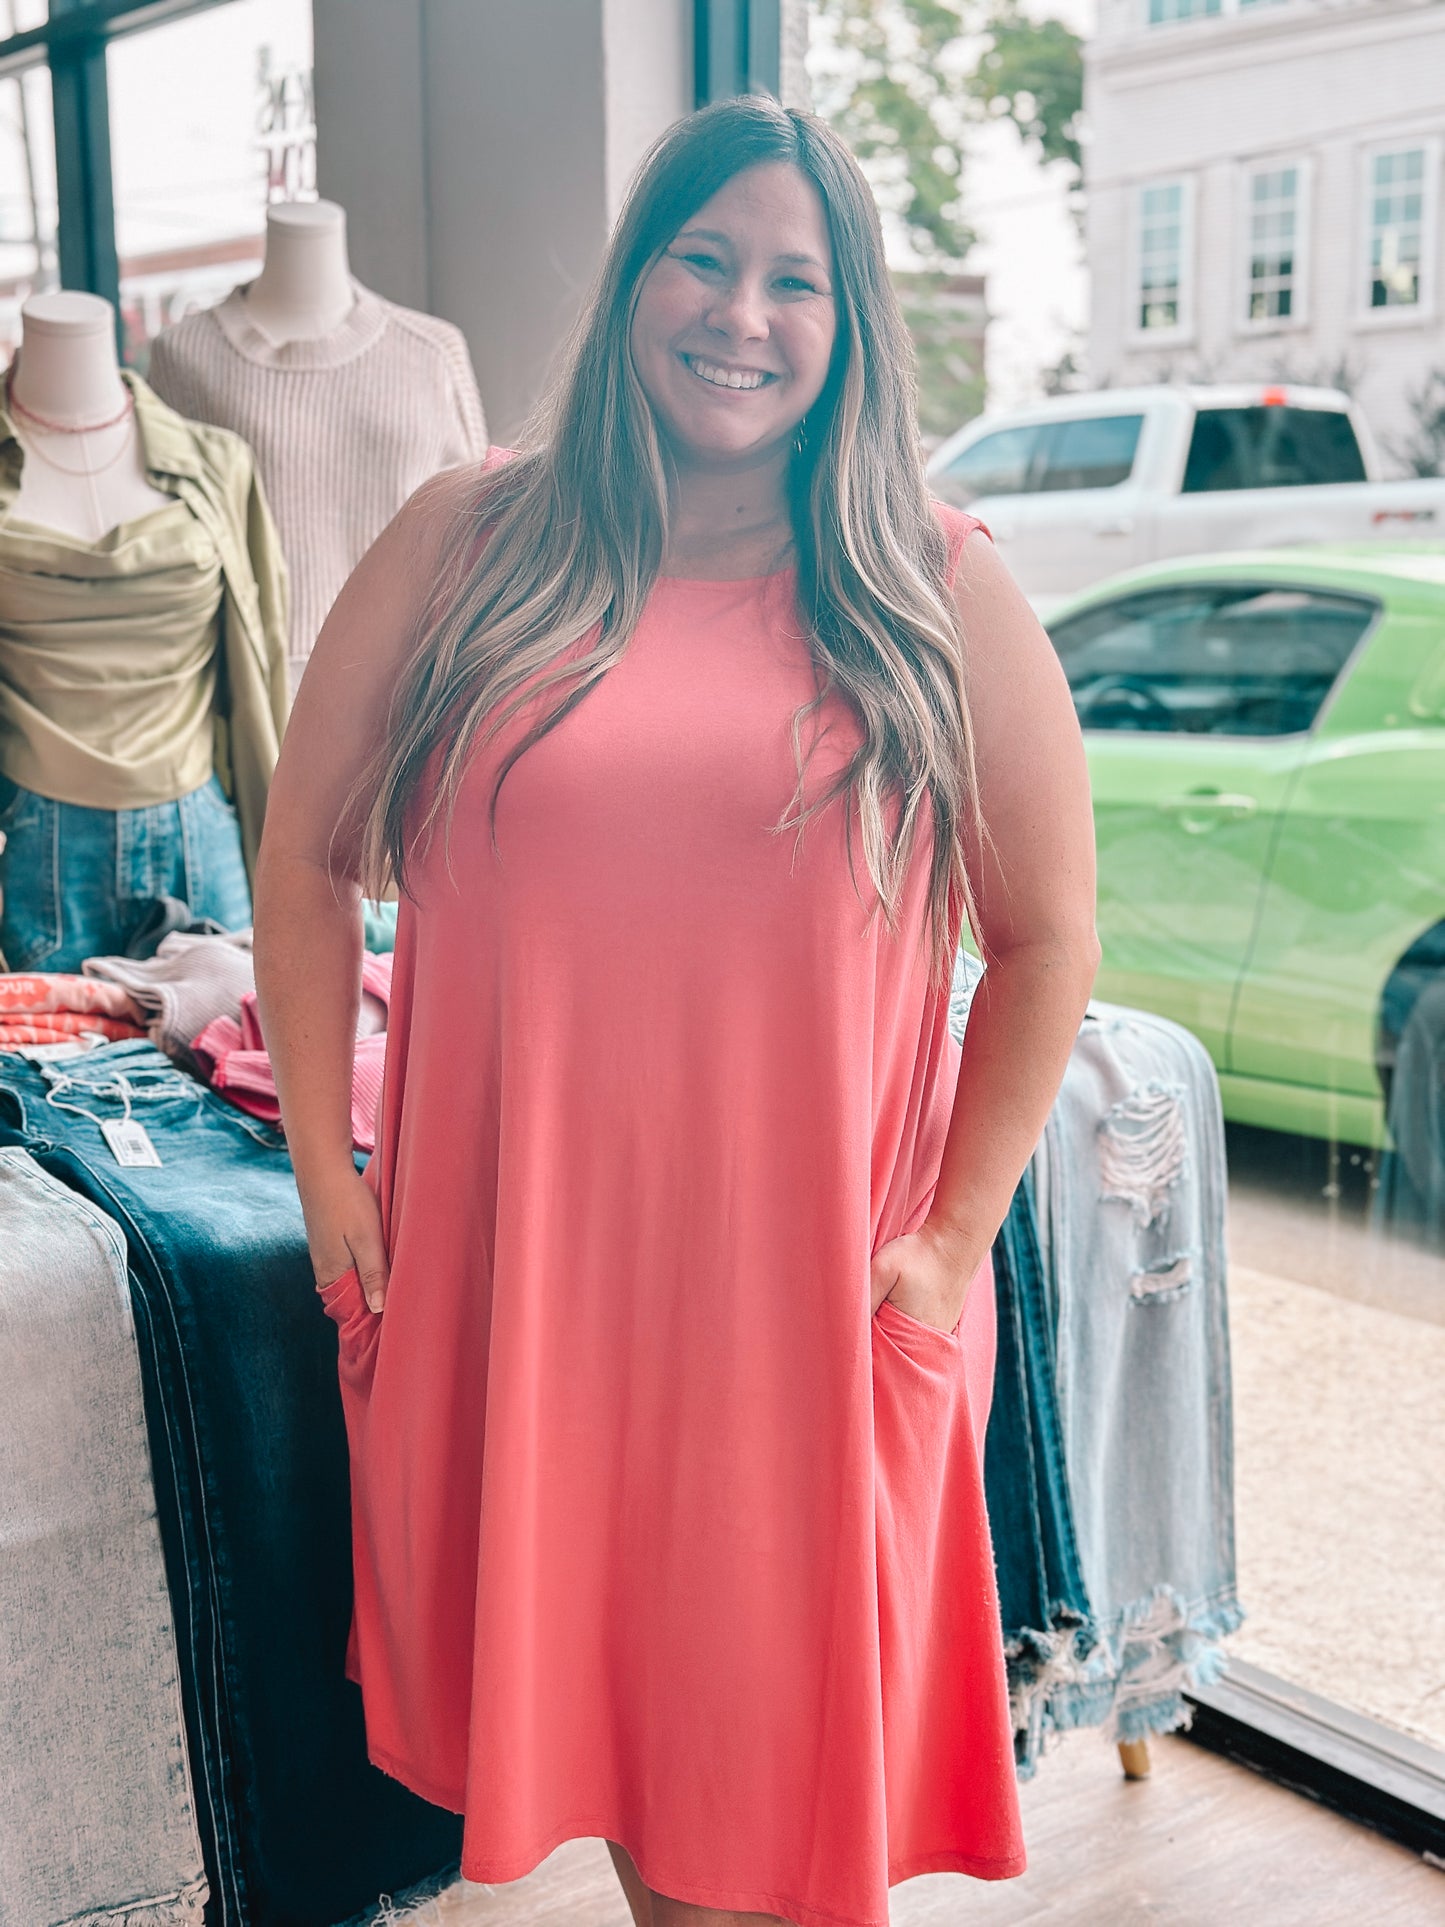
[(907, 1319), (358, 1326)]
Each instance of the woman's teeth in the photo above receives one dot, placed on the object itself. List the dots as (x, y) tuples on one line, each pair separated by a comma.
[(721, 377)]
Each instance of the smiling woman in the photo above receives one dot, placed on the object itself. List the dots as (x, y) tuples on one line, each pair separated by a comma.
[(667, 1446)]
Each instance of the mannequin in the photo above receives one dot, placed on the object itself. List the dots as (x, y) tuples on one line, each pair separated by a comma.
[(349, 401), (142, 650), (83, 480), (304, 287)]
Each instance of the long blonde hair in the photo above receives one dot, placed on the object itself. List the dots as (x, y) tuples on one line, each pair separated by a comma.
[(575, 527)]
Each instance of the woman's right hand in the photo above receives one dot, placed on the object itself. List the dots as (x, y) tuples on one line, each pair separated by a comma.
[(343, 1228)]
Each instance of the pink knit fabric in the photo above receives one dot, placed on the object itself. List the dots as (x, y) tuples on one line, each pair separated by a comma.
[(234, 1058)]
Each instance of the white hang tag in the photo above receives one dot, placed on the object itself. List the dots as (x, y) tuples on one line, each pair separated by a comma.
[(129, 1142)]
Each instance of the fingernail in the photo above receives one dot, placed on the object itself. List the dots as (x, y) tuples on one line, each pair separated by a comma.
[(375, 1301)]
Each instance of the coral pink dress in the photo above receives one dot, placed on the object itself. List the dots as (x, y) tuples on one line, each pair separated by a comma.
[(659, 1537)]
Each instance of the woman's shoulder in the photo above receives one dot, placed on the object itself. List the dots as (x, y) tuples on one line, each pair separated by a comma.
[(451, 505), (957, 526)]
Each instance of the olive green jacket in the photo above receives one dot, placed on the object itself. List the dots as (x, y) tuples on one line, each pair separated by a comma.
[(214, 473)]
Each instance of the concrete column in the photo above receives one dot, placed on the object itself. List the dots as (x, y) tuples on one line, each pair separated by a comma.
[(481, 153)]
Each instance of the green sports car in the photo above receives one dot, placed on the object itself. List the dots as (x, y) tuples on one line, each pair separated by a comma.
[(1266, 739)]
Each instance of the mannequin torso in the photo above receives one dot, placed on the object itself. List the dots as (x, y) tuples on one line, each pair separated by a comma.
[(81, 483)]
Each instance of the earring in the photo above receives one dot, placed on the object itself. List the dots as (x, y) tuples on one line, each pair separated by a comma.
[(800, 437)]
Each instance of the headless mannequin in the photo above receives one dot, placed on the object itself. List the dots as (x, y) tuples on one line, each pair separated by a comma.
[(66, 371), (304, 288)]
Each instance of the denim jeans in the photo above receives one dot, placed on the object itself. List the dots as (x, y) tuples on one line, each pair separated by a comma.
[(1047, 1624), (1049, 1629), (239, 1371), (96, 1807), (77, 882), (1131, 1189)]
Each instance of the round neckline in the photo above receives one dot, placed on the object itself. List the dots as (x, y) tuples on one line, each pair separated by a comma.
[(729, 581), (351, 337)]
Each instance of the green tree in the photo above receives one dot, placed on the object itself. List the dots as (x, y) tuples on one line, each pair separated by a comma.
[(904, 78), (890, 93), (1032, 72)]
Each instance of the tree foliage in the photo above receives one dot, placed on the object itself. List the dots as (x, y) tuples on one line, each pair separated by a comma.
[(1033, 73), (910, 76)]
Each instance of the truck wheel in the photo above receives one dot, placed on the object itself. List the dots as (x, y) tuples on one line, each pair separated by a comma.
[(1417, 1096)]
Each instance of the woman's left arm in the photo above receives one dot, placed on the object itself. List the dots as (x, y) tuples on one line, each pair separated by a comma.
[(1033, 883)]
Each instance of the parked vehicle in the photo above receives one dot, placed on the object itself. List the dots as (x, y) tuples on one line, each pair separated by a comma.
[(1082, 486), (1266, 741)]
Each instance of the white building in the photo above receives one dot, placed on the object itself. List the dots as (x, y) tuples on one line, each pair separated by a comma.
[(1264, 195)]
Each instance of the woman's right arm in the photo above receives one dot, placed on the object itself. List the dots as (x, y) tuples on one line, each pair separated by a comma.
[(307, 898)]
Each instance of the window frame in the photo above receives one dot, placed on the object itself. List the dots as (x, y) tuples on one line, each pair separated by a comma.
[(1423, 311), (1227, 10), (72, 42), (1299, 315), (1182, 330)]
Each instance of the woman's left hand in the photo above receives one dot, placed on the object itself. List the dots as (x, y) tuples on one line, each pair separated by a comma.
[(927, 1273)]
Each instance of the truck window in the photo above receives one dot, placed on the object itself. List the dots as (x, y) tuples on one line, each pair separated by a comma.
[(1096, 453), (997, 464), (1210, 658), (1270, 448)]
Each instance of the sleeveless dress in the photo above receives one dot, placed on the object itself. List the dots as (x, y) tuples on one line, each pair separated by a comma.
[(659, 1537)]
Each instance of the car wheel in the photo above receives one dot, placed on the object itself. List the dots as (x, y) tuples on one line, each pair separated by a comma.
[(1417, 1095)]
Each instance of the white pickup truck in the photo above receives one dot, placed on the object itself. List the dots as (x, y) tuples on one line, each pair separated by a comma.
[(1078, 487)]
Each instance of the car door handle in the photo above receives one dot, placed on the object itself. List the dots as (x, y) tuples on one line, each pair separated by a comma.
[(1201, 810), (1123, 526)]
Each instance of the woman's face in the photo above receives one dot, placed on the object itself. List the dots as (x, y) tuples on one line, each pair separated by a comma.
[(733, 331)]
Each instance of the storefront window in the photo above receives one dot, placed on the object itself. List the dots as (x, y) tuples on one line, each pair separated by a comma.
[(27, 188), (211, 119)]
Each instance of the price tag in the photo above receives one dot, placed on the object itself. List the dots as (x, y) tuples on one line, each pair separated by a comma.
[(129, 1142)]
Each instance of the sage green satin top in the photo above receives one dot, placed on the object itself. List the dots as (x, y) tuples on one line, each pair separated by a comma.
[(108, 657)]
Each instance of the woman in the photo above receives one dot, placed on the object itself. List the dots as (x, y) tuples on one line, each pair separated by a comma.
[(666, 1446)]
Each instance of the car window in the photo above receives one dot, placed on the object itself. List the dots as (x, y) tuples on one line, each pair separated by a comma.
[(997, 464), (1211, 658), (1096, 453), (1270, 448)]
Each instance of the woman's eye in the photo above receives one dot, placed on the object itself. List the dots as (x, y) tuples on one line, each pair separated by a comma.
[(701, 260), (795, 283)]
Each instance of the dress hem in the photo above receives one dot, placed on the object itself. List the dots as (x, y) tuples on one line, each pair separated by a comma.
[(593, 1827)]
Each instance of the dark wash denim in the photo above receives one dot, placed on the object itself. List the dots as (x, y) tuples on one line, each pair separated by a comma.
[(242, 1402), (1047, 1623), (78, 882), (1049, 1628)]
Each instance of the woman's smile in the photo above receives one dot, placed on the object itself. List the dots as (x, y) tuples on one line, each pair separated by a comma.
[(719, 376)]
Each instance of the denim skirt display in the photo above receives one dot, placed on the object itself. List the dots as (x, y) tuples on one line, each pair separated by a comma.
[(78, 882)]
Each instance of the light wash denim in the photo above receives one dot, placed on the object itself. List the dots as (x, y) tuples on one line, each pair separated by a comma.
[(97, 1818), (1131, 1189), (78, 882), (1109, 1461)]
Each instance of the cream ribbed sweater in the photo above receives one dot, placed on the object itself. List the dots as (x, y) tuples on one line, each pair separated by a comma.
[(344, 427)]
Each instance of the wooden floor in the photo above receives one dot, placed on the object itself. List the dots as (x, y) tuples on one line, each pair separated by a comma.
[(1200, 1843)]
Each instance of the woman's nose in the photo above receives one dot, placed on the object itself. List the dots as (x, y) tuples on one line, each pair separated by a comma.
[(739, 312)]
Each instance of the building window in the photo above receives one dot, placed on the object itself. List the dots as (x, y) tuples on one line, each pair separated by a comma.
[(1397, 187), (1162, 295), (1163, 13), (1276, 222)]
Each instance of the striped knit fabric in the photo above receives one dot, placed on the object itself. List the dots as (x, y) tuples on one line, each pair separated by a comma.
[(344, 427)]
